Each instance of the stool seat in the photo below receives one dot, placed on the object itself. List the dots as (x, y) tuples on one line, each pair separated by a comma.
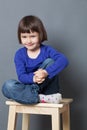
[(41, 108)]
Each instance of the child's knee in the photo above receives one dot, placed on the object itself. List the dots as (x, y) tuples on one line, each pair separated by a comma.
[(49, 60), (8, 84), (47, 63), (8, 87)]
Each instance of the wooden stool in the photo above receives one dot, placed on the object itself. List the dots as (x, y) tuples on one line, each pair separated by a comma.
[(41, 108)]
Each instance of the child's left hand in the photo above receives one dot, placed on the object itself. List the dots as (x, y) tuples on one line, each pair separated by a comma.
[(40, 75), (38, 80)]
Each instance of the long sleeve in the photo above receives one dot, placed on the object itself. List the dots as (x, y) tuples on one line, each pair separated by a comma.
[(20, 64), (60, 62)]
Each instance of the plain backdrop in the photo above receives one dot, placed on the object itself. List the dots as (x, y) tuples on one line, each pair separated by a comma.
[(66, 25)]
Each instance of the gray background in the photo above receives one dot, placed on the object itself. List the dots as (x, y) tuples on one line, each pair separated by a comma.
[(66, 25)]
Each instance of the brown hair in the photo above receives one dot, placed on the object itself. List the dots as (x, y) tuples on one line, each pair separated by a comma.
[(31, 24)]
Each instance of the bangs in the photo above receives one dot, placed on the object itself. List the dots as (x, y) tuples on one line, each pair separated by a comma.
[(28, 28), (25, 29)]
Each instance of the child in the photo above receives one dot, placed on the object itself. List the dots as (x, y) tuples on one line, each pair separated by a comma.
[(37, 66)]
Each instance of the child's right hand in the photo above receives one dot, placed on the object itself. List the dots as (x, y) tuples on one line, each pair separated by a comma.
[(41, 73), (39, 76), (38, 80)]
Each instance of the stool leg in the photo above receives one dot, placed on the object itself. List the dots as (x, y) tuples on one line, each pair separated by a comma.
[(12, 118), (56, 120), (25, 122), (66, 118)]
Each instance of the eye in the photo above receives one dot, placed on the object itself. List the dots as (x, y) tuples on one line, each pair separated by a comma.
[(33, 36), (23, 36)]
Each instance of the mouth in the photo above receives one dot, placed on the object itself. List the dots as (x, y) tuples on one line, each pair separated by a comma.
[(29, 44)]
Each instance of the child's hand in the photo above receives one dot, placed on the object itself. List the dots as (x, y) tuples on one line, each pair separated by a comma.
[(40, 75), (38, 80)]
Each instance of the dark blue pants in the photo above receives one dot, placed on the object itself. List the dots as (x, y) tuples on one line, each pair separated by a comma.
[(28, 94)]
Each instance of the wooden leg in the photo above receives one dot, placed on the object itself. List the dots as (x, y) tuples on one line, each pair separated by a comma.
[(56, 120), (12, 118), (25, 122), (66, 118)]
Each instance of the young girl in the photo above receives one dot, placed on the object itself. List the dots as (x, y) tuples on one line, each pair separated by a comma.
[(37, 66)]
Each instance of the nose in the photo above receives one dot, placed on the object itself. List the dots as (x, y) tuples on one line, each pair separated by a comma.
[(29, 40)]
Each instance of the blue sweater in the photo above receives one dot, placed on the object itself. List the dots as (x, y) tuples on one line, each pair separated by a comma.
[(26, 66)]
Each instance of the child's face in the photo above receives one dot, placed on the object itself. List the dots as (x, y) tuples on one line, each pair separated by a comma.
[(30, 40)]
